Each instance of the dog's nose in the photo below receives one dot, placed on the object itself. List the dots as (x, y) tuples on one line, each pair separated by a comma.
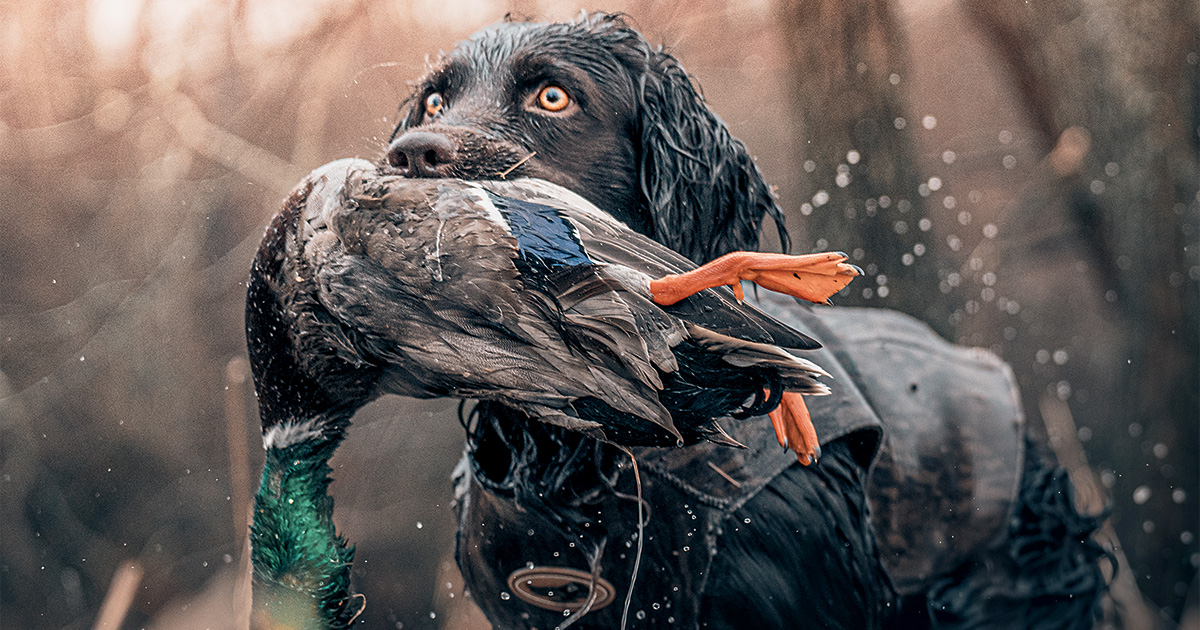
[(421, 154)]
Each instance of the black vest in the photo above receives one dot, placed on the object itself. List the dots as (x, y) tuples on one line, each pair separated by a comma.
[(939, 426)]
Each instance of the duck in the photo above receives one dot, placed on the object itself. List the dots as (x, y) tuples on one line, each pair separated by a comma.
[(518, 292)]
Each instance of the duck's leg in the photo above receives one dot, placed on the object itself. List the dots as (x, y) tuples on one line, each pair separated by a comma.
[(794, 428), (812, 277)]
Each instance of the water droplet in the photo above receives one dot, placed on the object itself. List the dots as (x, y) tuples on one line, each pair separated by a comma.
[(990, 230), (1178, 495), (925, 224), (884, 291), (1063, 390), (907, 260), (806, 208), (853, 156), (919, 249), (641, 614), (1085, 434), (894, 78), (842, 180), (809, 166), (1185, 537), (935, 183), (948, 156), (1097, 187), (1009, 162), (1108, 478), (1005, 137), (432, 615), (1112, 169), (900, 227), (746, 520), (929, 122), (420, 525), (950, 203), (1135, 430), (1141, 495), (820, 199), (1148, 526), (900, 123), (885, 202)]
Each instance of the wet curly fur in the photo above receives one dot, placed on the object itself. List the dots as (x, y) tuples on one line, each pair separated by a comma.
[(641, 144)]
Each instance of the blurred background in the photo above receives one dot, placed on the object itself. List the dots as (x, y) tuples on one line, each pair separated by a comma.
[(1021, 176)]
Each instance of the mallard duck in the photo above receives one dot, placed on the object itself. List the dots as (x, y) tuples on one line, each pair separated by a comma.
[(519, 292)]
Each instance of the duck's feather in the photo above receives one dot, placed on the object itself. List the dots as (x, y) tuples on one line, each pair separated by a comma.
[(611, 242)]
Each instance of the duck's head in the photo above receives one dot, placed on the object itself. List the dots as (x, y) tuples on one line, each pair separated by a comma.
[(309, 382)]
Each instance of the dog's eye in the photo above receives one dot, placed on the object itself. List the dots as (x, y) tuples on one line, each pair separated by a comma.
[(433, 104), (553, 98)]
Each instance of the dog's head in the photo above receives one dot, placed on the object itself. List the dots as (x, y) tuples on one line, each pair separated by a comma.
[(592, 106)]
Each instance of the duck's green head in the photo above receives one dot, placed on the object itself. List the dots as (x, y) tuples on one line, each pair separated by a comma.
[(301, 564)]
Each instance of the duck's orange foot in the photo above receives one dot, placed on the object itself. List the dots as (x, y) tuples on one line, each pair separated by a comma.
[(794, 428), (812, 277)]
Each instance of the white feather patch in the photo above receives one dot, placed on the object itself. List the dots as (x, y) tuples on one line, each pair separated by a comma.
[(290, 432), (493, 213)]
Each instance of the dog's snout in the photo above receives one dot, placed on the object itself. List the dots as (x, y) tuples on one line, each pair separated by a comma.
[(422, 154)]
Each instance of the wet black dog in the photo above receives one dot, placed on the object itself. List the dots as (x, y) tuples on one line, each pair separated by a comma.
[(592, 106)]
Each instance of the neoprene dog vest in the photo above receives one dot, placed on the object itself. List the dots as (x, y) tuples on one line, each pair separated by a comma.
[(940, 427)]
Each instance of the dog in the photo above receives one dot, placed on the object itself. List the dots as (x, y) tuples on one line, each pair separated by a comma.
[(592, 106)]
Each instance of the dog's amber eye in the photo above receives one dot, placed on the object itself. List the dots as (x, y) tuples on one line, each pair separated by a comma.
[(553, 98), (433, 104)]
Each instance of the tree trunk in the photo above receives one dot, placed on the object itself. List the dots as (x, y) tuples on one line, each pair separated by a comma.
[(858, 168)]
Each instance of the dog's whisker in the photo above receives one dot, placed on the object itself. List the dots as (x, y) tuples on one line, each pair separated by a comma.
[(505, 173)]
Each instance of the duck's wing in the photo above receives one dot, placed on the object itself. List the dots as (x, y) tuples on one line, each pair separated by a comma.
[(611, 242)]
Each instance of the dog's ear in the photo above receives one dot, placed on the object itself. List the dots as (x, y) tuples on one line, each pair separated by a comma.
[(703, 192)]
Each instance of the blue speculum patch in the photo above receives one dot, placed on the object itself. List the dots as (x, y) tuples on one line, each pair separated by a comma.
[(546, 239)]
